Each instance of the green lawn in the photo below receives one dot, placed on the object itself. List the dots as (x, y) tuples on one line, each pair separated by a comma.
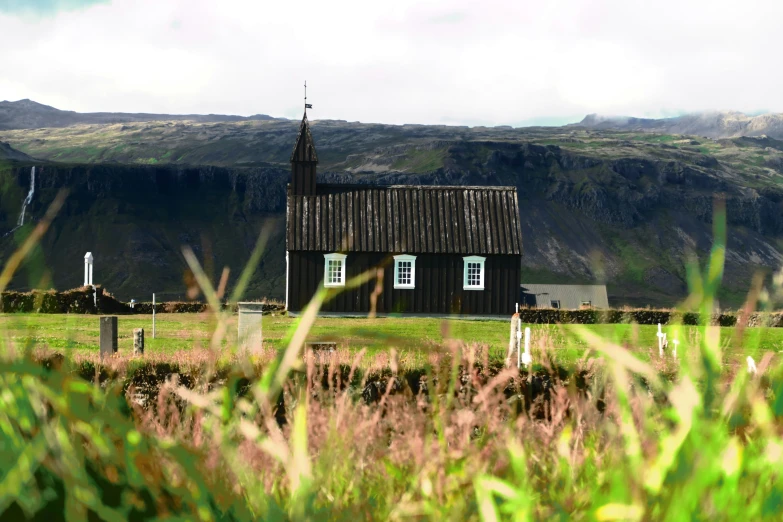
[(69, 333)]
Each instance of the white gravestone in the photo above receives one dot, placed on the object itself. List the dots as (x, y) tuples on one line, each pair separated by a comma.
[(249, 328), (526, 357), (661, 336)]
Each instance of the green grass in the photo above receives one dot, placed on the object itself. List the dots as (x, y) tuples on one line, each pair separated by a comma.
[(419, 160), (655, 138), (278, 436), (414, 337), (633, 261)]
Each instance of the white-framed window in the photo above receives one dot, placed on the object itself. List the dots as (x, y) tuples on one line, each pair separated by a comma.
[(473, 275), (555, 303), (404, 271), (334, 269)]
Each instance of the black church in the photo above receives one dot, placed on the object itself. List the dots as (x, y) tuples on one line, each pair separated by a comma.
[(430, 250)]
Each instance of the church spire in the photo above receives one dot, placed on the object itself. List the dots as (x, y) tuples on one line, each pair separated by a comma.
[(304, 158), (304, 148)]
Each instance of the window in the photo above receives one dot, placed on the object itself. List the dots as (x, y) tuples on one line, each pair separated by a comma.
[(404, 271), (334, 269), (473, 276), (586, 304), (555, 304)]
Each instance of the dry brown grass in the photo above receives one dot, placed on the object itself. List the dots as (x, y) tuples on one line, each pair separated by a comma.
[(396, 434)]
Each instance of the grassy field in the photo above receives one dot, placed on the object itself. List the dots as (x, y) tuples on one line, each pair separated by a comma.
[(174, 332), (629, 437)]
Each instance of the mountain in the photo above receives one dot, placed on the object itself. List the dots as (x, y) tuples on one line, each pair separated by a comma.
[(707, 124), (27, 114), (625, 207)]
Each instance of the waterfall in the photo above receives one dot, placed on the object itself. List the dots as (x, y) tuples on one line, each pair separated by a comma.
[(28, 199)]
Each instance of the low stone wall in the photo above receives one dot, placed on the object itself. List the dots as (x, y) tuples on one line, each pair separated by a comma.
[(643, 316), (82, 301), (77, 301)]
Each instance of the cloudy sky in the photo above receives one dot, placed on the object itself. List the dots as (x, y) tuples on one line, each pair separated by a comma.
[(488, 62)]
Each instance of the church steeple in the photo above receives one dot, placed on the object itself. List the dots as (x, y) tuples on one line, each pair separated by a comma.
[(304, 149), (303, 158)]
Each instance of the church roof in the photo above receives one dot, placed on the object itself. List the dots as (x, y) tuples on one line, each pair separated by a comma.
[(406, 219), (304, 149)]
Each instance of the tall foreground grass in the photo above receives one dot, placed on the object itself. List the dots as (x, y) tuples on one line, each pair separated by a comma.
[(620, 440)]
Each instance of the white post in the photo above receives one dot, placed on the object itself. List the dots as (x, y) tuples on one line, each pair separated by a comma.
[(751, 365), (88, 269), (526, 358), (660, 341), (519, 352), (513, 339), (286, 279), (153, 315), (675, 342)]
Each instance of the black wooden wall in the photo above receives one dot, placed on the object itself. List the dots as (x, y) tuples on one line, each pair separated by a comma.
[(438, 285), (303, 178)]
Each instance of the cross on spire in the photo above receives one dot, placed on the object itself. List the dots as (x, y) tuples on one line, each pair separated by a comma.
[(307, 105)]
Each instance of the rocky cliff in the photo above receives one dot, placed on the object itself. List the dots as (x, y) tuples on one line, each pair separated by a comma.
[(628, 219), (135, 220)]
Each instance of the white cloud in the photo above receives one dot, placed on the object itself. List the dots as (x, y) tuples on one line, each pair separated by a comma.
[(492, 61)]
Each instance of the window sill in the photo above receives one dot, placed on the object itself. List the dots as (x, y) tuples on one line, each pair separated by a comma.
[(334, 285), (404, 287), (473, 288)]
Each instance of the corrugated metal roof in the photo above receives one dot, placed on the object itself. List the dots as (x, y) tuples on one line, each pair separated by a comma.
[(406, 219), (570, 297)]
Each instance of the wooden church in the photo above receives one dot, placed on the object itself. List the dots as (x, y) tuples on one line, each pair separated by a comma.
[(429, 250)]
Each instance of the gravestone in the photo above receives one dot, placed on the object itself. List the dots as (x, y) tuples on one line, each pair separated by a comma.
[(249, 330), (321, 346), (108, 333), (321, 350), (138, 341)]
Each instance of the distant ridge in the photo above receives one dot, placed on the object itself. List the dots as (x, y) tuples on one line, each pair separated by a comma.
[(28, 114), (728, 124), (9, 153)]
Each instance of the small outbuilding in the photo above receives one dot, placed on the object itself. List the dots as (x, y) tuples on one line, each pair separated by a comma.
[(566, 297)]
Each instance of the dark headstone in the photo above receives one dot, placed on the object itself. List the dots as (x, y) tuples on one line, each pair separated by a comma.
[(108, 335), (138, 341)]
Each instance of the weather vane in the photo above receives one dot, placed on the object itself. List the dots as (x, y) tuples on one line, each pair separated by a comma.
[(307, 105)]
